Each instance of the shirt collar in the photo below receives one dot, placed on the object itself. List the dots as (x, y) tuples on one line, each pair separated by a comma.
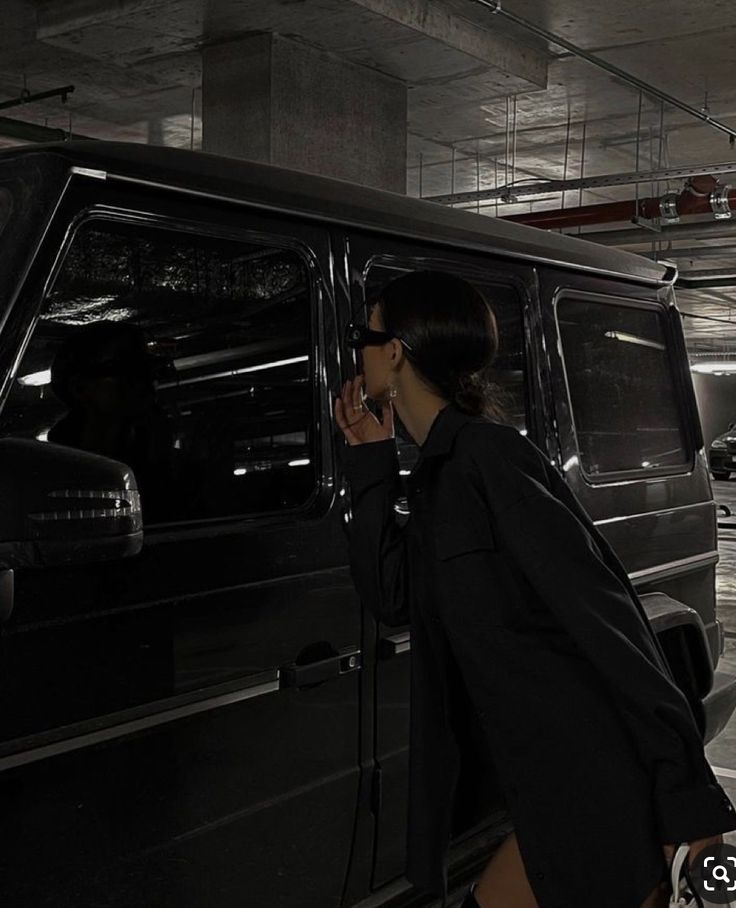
[(442, 432)]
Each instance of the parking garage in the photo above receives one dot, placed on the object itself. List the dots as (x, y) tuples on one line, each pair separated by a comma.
[(223, 615)]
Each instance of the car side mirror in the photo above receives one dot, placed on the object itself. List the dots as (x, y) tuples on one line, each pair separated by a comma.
[(65, 506)]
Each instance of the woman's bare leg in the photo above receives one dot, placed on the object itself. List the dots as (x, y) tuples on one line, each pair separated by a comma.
[(503, 883), (659, 897)]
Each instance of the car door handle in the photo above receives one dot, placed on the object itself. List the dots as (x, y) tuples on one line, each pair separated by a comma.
[(308, 669), (395, 644)]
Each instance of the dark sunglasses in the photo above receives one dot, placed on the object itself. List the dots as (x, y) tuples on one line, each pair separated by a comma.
[(357, 336)]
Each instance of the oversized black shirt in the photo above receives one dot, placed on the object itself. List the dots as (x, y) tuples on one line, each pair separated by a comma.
[(504, 578)]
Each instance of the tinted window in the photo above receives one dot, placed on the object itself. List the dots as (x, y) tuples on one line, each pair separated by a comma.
[(186, 357), (622, 391)]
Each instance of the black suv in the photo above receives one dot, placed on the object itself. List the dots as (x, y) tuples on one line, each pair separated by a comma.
[(722, 453), (195, 707)]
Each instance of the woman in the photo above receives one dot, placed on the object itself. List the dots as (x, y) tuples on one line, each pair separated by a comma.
[(510, 587)]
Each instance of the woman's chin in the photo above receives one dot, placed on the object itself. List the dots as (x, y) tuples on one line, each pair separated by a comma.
[(380, 398)]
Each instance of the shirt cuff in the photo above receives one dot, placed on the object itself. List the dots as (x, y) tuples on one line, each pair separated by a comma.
[(693, 813)]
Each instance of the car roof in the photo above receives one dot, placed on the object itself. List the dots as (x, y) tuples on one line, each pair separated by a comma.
[(337, 201)]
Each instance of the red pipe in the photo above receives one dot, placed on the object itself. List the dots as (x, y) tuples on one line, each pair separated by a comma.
[(694, 199)]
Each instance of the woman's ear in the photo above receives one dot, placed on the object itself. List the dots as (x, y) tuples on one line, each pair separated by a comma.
[(397, 350)]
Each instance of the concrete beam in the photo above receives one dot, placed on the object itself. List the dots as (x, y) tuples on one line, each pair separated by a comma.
[(268, 98), (56, 19), (432, 19)]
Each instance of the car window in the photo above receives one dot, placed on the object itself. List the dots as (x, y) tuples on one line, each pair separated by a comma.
[(622, 389), (186, 357)]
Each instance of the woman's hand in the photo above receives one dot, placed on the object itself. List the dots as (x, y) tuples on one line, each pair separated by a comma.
[(357, 422), (695, 847)]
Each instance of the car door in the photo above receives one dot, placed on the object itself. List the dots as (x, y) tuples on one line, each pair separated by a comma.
[(181, 728), (371, 261)]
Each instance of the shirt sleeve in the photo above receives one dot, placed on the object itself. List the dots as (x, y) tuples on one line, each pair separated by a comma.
[(561, 559), (377, 543)]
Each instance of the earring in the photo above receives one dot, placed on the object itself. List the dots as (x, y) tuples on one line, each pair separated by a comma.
[(392, 391)]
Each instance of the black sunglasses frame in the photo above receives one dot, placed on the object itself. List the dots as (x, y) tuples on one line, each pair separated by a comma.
[(358, 336)]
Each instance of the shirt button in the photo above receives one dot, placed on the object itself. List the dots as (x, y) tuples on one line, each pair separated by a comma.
[(539, 875)]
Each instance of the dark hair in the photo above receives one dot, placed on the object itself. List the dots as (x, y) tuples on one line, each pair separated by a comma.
[(453, 335)]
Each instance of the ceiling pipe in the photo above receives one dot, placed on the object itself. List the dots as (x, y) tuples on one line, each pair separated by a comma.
[(495, 7), (519, 190), (27, 98), (701, 195), (32, 132), (635, 236), (705, 278), (727, 250)]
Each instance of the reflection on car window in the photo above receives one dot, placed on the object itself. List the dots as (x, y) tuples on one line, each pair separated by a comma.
[(622, 391), (186, 357)]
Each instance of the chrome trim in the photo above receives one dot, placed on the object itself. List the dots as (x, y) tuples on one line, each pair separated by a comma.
[(75, 737), (401, 642), (671, 568), (678, 507), (89, 172)]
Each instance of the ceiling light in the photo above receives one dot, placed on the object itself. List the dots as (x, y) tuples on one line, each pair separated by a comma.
[(35, 379), (633, 339), (718, 368)]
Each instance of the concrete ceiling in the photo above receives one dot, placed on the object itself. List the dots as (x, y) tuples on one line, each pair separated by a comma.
[(136, 67)]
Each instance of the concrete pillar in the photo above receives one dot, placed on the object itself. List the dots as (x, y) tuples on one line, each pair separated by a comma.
[(268, 98)]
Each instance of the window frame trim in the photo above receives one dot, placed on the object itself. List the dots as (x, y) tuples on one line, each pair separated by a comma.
[(210, 229), (636, 474)]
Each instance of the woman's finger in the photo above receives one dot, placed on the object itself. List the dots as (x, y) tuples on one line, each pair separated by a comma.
[(350, 436), (357, 401), (347, 402)]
